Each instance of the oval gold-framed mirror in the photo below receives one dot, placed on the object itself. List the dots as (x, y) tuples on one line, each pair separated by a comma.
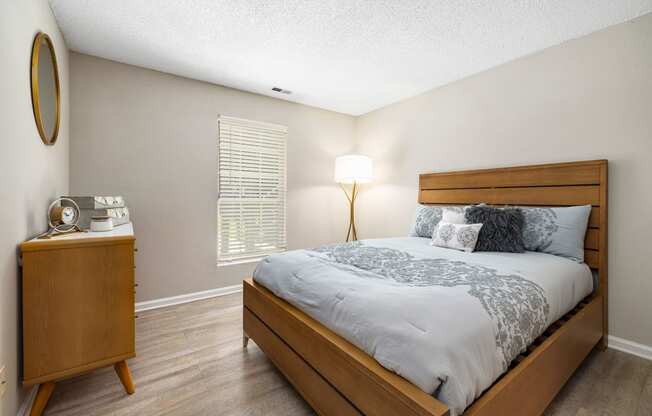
[(46, 91)]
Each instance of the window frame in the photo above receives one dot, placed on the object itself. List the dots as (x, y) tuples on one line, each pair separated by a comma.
[(281, 244)]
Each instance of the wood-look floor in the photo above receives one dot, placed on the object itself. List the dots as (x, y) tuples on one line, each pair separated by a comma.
[(191, 362)]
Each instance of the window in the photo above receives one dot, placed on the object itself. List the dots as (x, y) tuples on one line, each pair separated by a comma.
[(251, 189)]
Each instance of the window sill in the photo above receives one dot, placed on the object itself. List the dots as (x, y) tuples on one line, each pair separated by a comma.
[(237, 262)]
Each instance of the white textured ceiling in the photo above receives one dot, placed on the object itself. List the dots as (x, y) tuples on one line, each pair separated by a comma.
[(350, 56)]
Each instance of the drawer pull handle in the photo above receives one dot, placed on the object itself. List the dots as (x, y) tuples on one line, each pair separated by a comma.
[(136, 249)]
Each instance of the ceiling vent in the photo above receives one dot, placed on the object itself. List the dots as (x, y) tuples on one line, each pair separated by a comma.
[(281, 90)]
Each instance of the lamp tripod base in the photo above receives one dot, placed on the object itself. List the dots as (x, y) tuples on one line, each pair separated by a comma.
[(352, 233)]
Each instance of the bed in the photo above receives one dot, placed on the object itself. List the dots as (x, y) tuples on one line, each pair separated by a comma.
[(353, 338)]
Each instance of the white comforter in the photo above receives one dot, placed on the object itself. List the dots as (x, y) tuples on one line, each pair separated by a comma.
[(449, 322)]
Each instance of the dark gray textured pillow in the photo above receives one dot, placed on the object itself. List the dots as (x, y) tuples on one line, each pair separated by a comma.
[(502, 228)]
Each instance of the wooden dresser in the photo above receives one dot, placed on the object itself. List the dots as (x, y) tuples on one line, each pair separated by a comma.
[(78, 307)]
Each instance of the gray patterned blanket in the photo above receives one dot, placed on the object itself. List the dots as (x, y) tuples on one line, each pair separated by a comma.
[(449, 322)]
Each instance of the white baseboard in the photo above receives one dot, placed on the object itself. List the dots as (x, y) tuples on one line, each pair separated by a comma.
[(630, 347), (188, 297), (27, 403)]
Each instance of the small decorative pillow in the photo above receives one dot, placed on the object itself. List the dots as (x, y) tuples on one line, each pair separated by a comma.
[(502, 228), (559, 231), (458, 236)]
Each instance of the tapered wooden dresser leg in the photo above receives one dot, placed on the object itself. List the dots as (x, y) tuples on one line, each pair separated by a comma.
[(245, 341), (122, 369), (42, 397)]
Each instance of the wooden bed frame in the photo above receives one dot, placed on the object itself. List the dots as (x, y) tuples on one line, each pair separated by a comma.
[(338, 379)]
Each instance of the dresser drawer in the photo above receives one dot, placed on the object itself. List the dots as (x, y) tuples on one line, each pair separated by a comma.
[(78, 308)]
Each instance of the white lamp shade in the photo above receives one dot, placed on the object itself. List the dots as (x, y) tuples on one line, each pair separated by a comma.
[(353, 168)]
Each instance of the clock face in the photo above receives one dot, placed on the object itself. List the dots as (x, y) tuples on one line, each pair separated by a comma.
[(68, 215)]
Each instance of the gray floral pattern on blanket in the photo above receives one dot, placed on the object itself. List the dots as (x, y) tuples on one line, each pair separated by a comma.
[(517, 306)]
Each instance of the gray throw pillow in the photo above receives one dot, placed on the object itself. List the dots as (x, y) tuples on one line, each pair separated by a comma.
[(502, 228), (559, 231)]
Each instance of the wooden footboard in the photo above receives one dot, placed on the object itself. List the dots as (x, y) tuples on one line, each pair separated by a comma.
[(351, 374), (336, 378), (318, 392)]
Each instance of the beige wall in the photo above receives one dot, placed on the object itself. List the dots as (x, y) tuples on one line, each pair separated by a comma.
[(32, 174), (585, 99), (151, 137)]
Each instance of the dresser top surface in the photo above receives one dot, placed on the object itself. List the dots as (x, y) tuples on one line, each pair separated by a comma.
[(121, 232)]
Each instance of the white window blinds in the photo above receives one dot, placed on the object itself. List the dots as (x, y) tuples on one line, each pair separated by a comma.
[(251, 189)]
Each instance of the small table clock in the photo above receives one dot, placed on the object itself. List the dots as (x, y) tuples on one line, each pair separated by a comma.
[(62, 219)]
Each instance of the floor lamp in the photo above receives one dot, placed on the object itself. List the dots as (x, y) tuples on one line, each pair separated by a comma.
[(352, 170)]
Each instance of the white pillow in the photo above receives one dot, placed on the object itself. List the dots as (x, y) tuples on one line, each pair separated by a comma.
[(454, 215), (458, 236)]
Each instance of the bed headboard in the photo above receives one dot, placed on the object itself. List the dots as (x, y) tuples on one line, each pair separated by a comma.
[(559, 184)]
